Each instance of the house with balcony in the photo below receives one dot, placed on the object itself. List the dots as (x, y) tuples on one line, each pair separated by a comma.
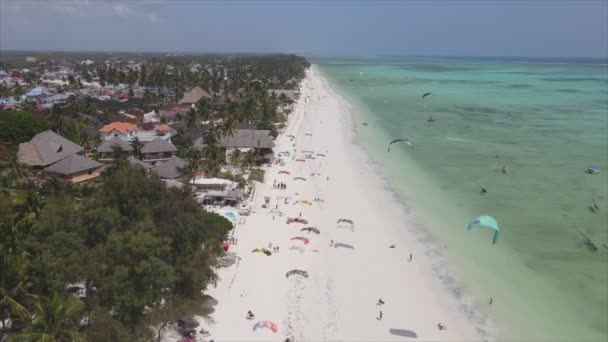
[(157, 150), (105, 150)]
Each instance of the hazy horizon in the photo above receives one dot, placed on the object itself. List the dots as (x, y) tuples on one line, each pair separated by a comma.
[(533, 29)]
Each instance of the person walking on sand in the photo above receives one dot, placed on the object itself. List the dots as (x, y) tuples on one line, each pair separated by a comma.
[(410, 257), (380, 316), (491, 301), (331, 243)]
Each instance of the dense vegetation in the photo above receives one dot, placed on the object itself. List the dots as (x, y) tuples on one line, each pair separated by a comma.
[(95, 262), (20, 126)]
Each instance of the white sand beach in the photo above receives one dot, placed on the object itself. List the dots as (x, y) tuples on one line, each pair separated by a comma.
[(338, 301)]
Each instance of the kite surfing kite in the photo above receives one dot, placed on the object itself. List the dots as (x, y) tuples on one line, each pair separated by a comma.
[(284, 172), (262, 250), (301, 238), (343, 245), (266, 324), (311, 230), (346, 221), (405, 140), (485, 221), (426, 94), (297, 248), (297, 220), (298, 272), (299, 178)]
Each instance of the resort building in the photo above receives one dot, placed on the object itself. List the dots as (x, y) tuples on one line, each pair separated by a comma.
[(158, 150), (105, 150), (75, 168), (45, 149)]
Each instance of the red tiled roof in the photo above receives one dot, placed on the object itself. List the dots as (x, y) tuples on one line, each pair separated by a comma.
[(122, 127)]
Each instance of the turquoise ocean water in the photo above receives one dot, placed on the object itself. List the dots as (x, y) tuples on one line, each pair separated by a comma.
[(543, 121)]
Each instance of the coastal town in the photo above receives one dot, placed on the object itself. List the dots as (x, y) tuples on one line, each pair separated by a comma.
[(157, 113), (184, 213), (303, 171)]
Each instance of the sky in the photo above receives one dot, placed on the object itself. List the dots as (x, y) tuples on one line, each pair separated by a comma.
[(537, 28)]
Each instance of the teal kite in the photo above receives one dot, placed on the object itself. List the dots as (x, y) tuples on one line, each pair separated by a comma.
[(485, 221), (299, 178)]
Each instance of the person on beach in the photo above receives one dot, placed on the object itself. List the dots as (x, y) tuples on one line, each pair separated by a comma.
[(300, 214), (331, 243), (410, 257), (391, 246), (441, 326), (491, 301), (380, 301), (250, 315), (380, 316)]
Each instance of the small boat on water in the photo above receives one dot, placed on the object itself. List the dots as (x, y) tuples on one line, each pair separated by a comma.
[(592, 170)]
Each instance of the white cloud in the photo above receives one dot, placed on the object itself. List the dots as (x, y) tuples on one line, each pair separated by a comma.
[(122, 10), (152, 17)]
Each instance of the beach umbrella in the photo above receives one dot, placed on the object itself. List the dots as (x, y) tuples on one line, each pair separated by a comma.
[(485, 221), (225, 245)]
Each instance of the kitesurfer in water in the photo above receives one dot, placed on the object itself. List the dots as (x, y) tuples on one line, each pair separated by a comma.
[(483, 191)]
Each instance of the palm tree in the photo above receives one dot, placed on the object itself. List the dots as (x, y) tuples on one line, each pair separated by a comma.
[(119, 159), (249, 160), (136, 144), (27, 208), (194, 162), (12, 173), (193, 118), (236, 156), (55, 319)]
